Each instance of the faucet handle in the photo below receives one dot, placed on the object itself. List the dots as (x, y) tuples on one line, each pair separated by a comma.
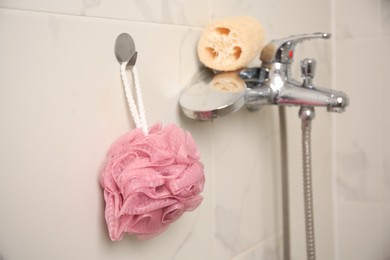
[(282, 50), (308, 67)]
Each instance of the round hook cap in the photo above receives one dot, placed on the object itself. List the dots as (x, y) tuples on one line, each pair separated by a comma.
[(125, 49)]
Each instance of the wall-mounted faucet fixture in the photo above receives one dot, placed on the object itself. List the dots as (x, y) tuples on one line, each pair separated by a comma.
[(272, 83), (213, 94)]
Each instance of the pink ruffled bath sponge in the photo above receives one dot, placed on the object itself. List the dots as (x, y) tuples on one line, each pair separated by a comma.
[(149, 181)]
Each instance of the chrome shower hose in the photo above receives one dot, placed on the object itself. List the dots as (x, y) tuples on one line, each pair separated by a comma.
[(308, 189)]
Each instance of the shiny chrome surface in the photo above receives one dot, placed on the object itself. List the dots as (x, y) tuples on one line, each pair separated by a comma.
[(275, 74), (307, 114), (308, 188), (202, 101), (272, 83), (279, 50), (308, 67), (125, 50)]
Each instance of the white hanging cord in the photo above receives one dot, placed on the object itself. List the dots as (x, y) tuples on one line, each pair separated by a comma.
[(139, 118), (141, 107), (129, 96)]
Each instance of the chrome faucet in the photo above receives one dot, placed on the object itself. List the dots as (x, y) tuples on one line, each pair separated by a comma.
[(271, 83), (213, 94)]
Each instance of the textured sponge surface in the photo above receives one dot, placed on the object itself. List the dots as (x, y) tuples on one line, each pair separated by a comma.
[(231, 43)]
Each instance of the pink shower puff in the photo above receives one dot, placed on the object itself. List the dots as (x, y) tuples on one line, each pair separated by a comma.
[(150, 181)]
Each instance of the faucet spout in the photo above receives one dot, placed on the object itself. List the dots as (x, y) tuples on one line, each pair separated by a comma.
[(292, 93)]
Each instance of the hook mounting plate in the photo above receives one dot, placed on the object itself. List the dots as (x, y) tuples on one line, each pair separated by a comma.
[(125, 50)]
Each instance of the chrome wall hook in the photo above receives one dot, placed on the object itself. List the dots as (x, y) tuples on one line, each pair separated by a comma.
[(125, 50)]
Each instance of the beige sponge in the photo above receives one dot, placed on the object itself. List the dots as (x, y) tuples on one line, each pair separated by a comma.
[(228, 82), (230, 44)]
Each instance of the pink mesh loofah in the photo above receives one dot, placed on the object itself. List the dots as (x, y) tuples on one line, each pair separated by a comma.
[(149, 181)]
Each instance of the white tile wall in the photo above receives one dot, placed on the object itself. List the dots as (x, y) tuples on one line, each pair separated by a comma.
[(362, 231), (360, 161), (362, 143), (386, 123), (279, 17), (266, 250), (62, 104), (385, 17), (244, 184), (359, 18), (180, 12)]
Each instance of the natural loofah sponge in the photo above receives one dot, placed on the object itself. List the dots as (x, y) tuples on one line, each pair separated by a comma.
[(230, 44), (228, 82)]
